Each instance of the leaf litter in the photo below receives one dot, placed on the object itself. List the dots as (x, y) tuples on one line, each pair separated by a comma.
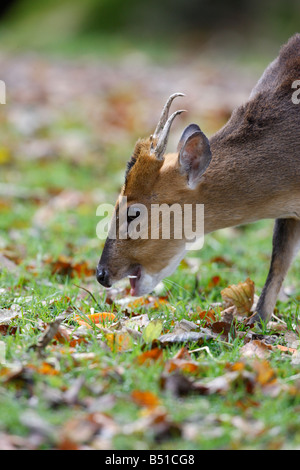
[(182, 374)]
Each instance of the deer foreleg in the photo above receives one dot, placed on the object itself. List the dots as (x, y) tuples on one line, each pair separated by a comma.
[(286, 242)]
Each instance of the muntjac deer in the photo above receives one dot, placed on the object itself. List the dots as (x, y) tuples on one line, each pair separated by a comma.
[(247, 171)]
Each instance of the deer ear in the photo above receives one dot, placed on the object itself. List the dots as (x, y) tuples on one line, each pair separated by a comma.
[(188, 131), (194, 155)]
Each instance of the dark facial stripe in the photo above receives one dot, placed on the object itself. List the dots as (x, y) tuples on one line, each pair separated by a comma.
[(130, 164)]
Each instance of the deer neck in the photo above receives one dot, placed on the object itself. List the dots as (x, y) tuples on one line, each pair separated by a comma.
[(233, 190)]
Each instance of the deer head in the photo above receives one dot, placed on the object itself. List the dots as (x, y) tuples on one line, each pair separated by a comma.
[(153, 179)]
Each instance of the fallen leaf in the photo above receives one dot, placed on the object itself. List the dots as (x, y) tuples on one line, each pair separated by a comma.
[(145, 398), (152, 331), (296, 358), (177, 384), (256, 348), (65, 266), (265, 374), (45, 368), (81, 429), (208, 315), (221, 260), (150, 302), (224, 383), (6, 317), (119, 341), (240, 295), (286, 349), (137, 322), (5, 155), (188, 366), (183, 353), (154, 354), (99, 319), (65, 335), (215, 281), (224, 329), (237, 366), (36, 424), (183, 335)]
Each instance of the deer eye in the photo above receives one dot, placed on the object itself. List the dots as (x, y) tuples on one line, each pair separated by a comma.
[(132, 213)]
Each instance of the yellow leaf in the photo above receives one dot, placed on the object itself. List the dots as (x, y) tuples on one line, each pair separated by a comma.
[(5, 155), (152, 331), (119, 341)]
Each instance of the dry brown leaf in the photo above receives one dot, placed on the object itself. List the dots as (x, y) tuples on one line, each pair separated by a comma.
[(256, 348), (224, 329), (222, 260), (240, 295), (65, 266), (190, 366), (65, 335), (183, 353), (265, 374), (176, 383), (286, 349), (82, 429), (208, 315)]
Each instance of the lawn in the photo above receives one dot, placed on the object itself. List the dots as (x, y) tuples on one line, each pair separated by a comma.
[(117, 381)]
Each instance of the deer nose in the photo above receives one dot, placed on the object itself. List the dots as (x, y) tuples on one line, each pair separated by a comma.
[(103, 276)]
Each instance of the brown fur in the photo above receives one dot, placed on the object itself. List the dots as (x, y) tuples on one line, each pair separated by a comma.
[(254, 174), (143, 173)]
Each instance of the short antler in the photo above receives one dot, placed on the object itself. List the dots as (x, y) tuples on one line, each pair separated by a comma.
[(163, 127)]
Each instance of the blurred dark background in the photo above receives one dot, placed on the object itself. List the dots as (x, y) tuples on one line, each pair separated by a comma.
[(83, 25)]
